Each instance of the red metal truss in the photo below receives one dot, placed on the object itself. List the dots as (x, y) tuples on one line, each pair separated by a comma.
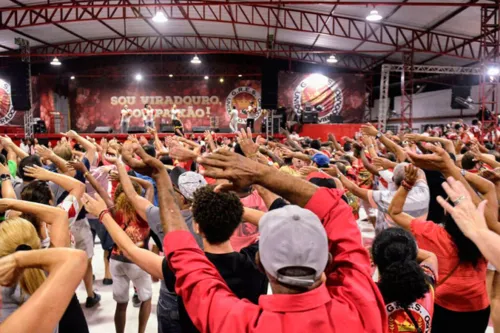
[(246, 13), (407, 91), (197, 45)]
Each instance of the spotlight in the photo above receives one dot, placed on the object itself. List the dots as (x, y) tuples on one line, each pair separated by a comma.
[(332, 59), (206, 77), (239, 75), (493, 71), (374, 16), (160, 17), (196, 60), (55, 62), (72, 77), (138, 77), (170, 75), (221, 80)]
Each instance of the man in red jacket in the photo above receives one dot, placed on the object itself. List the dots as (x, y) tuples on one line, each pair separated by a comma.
[(307, 296)]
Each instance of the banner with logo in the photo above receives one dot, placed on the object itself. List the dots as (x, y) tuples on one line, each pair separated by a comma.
[(7, 113), (99, 102), (335, 94)]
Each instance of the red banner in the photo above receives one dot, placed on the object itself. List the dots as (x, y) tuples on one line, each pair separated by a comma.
[(98, 102), (336, 94)]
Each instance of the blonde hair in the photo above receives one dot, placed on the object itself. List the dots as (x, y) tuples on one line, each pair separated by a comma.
[(64, 152), (123, 203), (17, 231)]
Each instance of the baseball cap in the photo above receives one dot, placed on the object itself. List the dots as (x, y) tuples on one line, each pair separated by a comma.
[(189, 182), (293, 237), (321, 159)]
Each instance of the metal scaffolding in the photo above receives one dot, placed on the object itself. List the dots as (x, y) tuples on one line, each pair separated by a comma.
[(407, 91), (384, 82)]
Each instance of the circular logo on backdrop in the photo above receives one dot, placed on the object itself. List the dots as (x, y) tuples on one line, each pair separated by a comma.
[(244, 90), (318, 89), (7, 111)]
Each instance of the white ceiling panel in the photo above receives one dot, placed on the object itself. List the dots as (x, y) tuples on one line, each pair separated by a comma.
[(367, 46), (49, 33), (214, 29), (7, 39), (336, 43), (467, 23), (246, 31), (295, 37)]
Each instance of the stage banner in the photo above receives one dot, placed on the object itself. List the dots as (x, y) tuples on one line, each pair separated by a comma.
[(98, 102), (333, 95), (8, 116)]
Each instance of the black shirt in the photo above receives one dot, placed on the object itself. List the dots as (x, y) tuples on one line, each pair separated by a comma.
[(239, 271)]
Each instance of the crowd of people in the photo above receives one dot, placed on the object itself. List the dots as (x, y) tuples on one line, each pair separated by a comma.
[(255, 235)]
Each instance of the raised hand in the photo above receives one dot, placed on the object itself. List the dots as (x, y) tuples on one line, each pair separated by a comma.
[(114, 176), (411, 174), (440, 160), (43, 152), (77, 165), (5, 141), (469, 218), (71, 134), (93, 205), (247, 145), (332, 171), (182, 154), (305, 171), (9, 272), (37, 172), (369, 129)]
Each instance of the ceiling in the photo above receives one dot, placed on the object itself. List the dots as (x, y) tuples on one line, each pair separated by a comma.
[(437, 32)]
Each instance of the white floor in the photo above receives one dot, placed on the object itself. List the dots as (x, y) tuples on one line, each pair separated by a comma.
[(101, 317)]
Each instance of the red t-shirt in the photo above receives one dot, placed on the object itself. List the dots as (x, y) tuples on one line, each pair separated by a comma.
[(465, 289), (137, 230)]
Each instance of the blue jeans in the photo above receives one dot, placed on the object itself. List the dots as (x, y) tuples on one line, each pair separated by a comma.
[(149, 123), (167, 313)]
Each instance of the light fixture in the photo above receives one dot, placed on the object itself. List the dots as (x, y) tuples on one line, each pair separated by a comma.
[(72, 77), (493, 71), (160, 17), (239, 75), (55, 62), (138, 77), (206, 77), (332, 59), (221, 80), (196, 60), (170, 75), (374, 16)]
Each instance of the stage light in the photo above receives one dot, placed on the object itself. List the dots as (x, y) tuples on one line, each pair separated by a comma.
[(170, 75), (72, 77), (221, 80), (196, 60), (206, 77), (374, 16), (160, 17), (332, 59), (55, 62), (138, 77), (317, 80), (239, 75), (493, 71)]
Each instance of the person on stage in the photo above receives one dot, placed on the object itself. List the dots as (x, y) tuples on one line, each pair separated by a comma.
[(233, 120), (176, 122), (251, 111), (125, 120), (148, 115)]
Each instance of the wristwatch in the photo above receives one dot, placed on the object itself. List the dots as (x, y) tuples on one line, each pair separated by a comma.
[(5, 176), (379, 134)]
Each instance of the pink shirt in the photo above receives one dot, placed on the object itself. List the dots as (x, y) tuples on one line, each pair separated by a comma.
[(246, 234)]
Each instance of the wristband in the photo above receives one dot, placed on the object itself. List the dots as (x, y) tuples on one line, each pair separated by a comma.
[(407, 186), (379, 134), (102, 213)]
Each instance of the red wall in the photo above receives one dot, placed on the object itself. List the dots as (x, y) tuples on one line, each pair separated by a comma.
[(320, 131)]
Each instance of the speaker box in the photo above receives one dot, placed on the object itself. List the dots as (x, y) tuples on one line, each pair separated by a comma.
[(43, 142), (310, 117), (463, 92), (269, 83), (136, 129), (103, 129), (334, 119), (200, 129), (164, 128), (226, 130), (20, 86)]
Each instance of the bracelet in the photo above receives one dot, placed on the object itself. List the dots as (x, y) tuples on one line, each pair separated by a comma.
[(407, 186), (379, 134), (102, 213), (86, 174)]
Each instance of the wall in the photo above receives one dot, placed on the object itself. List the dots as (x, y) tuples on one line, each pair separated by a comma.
[(431, 108)]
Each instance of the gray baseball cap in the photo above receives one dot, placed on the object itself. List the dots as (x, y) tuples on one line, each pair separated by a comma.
[(189, 182), (293, 237)]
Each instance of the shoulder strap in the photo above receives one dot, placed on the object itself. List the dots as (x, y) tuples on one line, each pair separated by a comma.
[(441, 282), (408, 312)]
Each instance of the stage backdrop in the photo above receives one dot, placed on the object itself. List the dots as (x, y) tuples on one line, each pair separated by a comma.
[(98, 102), (337, 94)]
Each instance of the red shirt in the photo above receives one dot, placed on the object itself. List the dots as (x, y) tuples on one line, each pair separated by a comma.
[(349, 301), (465, 289)]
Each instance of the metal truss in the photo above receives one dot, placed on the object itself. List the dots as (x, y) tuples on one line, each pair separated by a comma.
[(407, 91), (488, 88), (368, 97), (199, 45), (387, 69), (250, 13)]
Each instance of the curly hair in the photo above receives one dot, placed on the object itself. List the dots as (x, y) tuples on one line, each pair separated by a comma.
[(402, 280), (123, 203), (217, 214)]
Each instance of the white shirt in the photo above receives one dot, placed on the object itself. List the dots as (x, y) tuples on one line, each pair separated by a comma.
[(148, 114), (250, 113), (175, 113), (234, 115), (126, 115)]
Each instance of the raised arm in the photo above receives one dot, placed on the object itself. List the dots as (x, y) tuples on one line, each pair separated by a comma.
[(40, 313), (370, 167), (7, 143), (90, 148), (349, 185), (70, 184), (145, 259), (252, 216), (51, 156), (6, 184), (370, 130), (56, 217), (395, 209), (446, 143)]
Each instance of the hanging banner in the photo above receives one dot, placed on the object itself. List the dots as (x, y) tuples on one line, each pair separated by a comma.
[(99, 102), (340, 95)]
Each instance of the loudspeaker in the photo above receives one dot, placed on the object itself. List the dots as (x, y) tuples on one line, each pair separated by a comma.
[(269, 82), (310, 117), (103, 129), (39, 127), (136, 129), (20, 86), (200, 129), (463, 92), (226, 130), (335, 119), (214, 129), (164, 128)]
